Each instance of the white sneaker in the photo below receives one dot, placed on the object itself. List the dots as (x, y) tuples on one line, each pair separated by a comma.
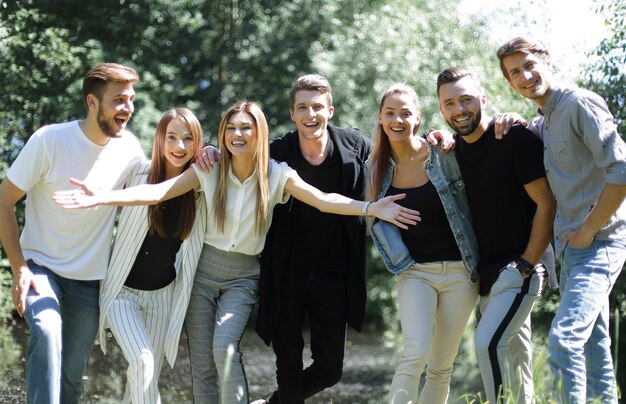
[(261, 401)]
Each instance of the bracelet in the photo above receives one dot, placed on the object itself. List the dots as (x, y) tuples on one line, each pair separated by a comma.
[(366, 207)]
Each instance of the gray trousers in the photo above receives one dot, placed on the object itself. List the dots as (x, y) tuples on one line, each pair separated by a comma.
[(225, 290)]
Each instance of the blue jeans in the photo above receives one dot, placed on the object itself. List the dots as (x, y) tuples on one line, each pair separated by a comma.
[(579, 342), (63, 322)]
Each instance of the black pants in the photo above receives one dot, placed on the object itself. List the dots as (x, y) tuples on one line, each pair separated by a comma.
[(321, 298)]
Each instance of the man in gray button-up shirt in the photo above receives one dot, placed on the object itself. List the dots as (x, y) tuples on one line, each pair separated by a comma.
[(585, 160)]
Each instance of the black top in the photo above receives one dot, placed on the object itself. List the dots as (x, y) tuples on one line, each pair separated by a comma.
[(154, 266), (431, 239), (495, 172), (320, 239)]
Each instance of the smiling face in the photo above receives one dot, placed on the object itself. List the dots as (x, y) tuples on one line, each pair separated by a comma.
[(462, 103), (178, 146), (115, 108), (399, 117), (530, 76), (311, 112), (240, 136)]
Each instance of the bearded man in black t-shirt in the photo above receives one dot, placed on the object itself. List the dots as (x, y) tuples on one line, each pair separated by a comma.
[(512, 211)]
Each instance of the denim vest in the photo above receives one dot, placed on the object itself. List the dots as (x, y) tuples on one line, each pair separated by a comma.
[(443, 171)]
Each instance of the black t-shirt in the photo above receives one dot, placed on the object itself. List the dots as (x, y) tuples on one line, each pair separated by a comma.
[(431, 239), (320, 243), (154, 266), (495, 172)]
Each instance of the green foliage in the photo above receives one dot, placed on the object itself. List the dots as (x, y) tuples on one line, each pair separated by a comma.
[(607, 76), (6, 304), (408, 41), (381, 310), (41, 69), (204, 54)]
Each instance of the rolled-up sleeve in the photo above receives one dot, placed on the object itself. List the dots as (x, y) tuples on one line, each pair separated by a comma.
[(601, 137)]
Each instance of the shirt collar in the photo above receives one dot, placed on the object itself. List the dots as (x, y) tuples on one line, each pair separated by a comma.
[(553, 101), (235, 180)]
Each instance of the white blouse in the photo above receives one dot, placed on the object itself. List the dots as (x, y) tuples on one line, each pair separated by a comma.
[(240, 222)]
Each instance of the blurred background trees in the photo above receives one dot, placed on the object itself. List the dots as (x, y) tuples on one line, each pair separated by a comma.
[(206, 54)]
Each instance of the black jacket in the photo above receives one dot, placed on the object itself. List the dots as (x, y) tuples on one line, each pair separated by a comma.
[(353, 151)]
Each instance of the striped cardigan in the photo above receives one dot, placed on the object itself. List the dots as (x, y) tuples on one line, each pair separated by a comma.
[(131, 232)]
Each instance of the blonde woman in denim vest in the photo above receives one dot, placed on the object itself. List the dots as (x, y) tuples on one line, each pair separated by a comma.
[(435, 261)]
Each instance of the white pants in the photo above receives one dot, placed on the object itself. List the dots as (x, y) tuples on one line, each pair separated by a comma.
[(435, 301), (139, 320), (503, 336)]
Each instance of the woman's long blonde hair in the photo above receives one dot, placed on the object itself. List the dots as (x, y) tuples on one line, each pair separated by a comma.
[(379, 158), (158, 173), (261, 163)]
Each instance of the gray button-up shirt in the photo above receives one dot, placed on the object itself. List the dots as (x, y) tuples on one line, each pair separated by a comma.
[(583, 153)]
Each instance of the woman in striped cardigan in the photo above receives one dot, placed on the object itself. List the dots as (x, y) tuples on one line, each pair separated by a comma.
[(144, 294)]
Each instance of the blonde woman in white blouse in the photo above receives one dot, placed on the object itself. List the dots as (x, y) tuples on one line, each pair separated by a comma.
[(241, 194)]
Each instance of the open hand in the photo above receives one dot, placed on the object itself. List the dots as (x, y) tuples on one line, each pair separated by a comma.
[(505, 120), (387, 209), (435, 137), (209, 156), (20, 286), (76, 198)]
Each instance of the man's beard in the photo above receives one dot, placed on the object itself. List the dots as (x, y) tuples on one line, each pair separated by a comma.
[(467, 130), (107, 126)]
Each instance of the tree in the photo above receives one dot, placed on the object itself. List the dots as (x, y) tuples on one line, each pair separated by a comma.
[(408, 41), (39, 65), (607, 76)]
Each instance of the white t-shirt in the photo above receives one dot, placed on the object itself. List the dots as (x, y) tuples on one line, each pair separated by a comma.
[(73, 243), (240, 221)]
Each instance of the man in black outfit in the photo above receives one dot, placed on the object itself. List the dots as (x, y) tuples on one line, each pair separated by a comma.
[(313, 264), (512, 211)]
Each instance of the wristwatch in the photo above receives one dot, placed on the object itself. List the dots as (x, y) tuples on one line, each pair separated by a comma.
[(524, 267)]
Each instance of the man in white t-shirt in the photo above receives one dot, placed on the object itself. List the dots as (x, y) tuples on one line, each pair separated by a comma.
[(62, 255)]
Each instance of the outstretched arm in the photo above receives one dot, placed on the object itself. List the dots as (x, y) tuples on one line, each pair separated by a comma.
[(384, 209), (146, 194), (541, 231)]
